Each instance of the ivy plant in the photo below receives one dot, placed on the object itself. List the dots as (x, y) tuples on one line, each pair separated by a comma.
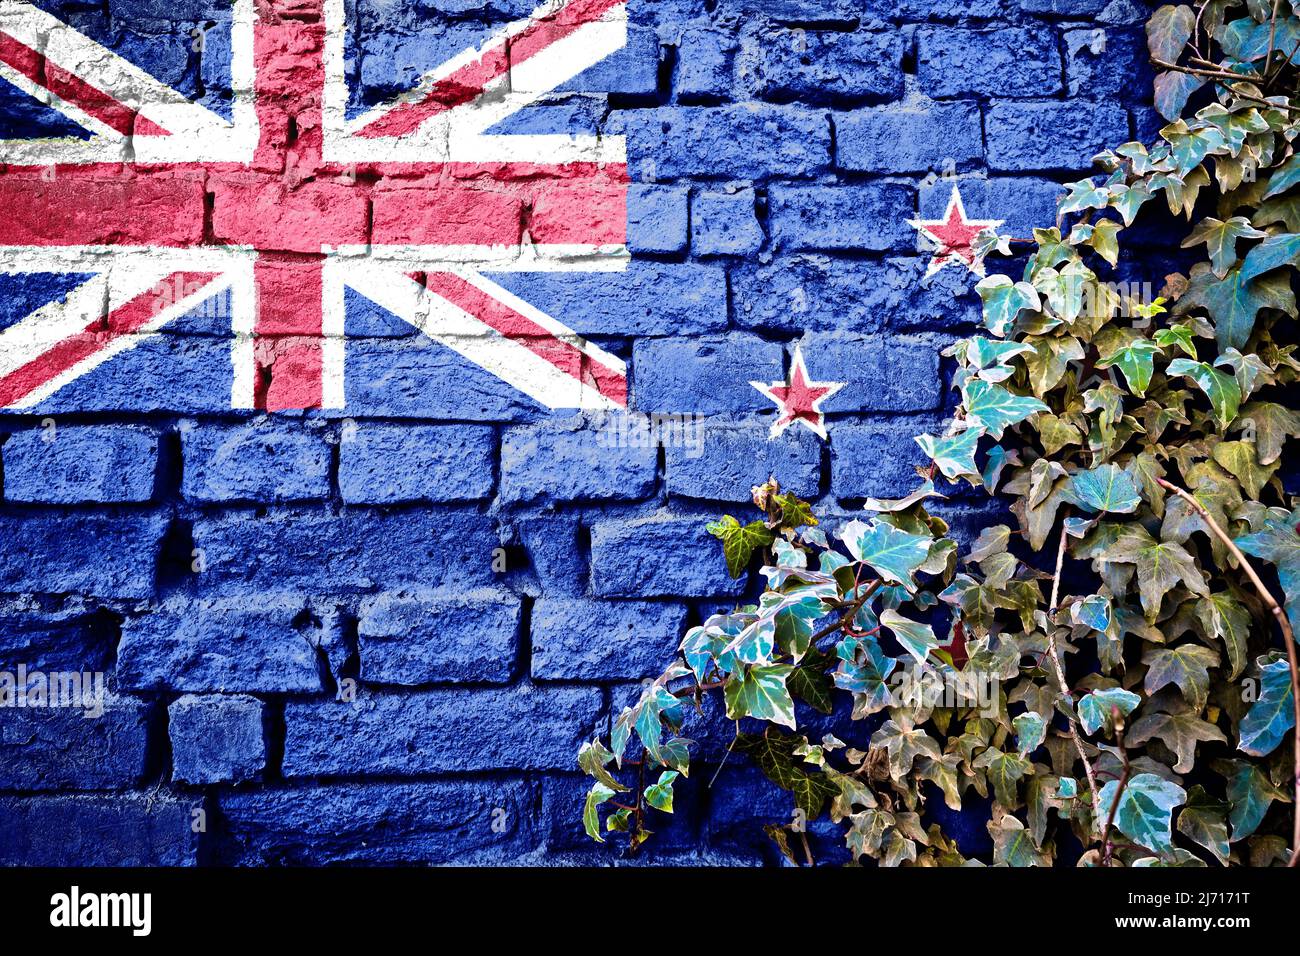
[(1141, 675)]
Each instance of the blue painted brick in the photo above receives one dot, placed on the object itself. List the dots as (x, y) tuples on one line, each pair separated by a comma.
[(801, 292), (632, 70), (263, 461), (792, 11), (912, 299), (553, 542), (563, 830), (731, 459), (73, 638), (656, 218), (746, 141), (725, 224), (97, 554), (132, 829), (820, 66), (72, 464), (216, 738), (354, 551), (1022, 203), (221, 648), (649, 298), (1071, 9), (1048, 136), (95, 740), (579, 458), (877, 459), (1105, 64), (939, 10), (881, 374), (660, 556), (423, 638), (1005, 61), (910, 138), (703, 375), (871, 217), (604, 640), (704, 65), (453, 821), (384, 464), (440, 731)]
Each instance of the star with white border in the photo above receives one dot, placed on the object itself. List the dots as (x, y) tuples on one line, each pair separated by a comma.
[(953, 235), (799, 399)]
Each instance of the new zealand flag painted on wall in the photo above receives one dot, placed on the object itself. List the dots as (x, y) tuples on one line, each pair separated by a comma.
[(369, 369)]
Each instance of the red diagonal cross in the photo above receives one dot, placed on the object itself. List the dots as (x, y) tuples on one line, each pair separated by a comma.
[(292, 207)]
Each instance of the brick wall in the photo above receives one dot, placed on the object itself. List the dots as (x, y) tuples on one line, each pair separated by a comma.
[(482, 581)]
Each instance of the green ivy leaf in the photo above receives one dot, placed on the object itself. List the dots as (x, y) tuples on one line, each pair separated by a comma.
[(1235, 300), (917, 639), (994, 408), (1250, 793), (904, 743), (1205, 821), (1179, 335), (1180, 733), (1096, 708), (593, 758), (597, 795), (1003, 771), (1168, 31), (760, 692), (893, 554), (1144, 810), (1137, 361), (1031, 731), (1004, 300), (863, 672), (1278, 542), (1106, 488), (660, 795), (739, 542), (1220, 238), (811, 684), (774, 754), (955, 455), (1160, 566), (1186, 665), (1270, 717)]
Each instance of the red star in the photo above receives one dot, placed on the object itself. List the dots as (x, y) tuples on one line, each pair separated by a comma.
[(799, 400), (953, 235)]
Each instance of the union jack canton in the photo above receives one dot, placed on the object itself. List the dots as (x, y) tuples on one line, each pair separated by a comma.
[(164, 203)]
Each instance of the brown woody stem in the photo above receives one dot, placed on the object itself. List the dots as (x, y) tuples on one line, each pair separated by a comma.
[(1288, 637)]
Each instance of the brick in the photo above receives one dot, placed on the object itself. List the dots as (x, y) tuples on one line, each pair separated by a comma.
[(216, 738), (268, 213), (746, 141), (881, 373), (704, 64), (876, 459), (73, 638), (937, 10), (265, 462), (385, 464), (407, 378), (563, 831), (604, 640), (910, 138), (439, 731), (656, 218), (556, 551), (648, 298), (801, 292), (819, 66), (346, 553), (1103, 64), (574, 459), (221, 648), (423, 638), (792, 11), (94, 209), (704, 375), (724, 224), (1023, 137), (660, 556), (632, 70), (871, 217), (1069, 9), (75, 465), (134, 829), (377, 823), (732, 459), (92, 739), (101, 555), (1022, 203), (1014, 61)]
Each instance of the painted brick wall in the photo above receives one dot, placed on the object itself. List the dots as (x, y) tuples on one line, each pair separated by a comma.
[(493, 580)]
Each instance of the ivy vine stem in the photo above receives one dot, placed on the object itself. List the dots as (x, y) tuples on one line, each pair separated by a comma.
[(1106, 848), (1288, 639), (1065, 687)]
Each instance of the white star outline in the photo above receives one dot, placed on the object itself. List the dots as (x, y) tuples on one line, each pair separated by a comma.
[(939, 261), (798, 368)]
